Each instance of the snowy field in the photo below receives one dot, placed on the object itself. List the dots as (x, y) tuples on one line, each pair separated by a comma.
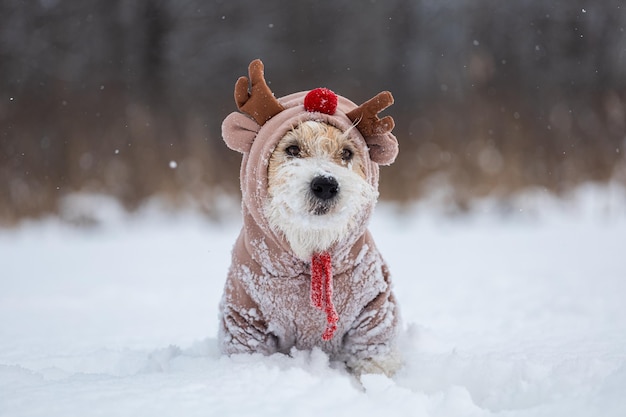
[(511, 310)]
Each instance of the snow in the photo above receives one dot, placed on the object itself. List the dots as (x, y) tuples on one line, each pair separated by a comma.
[(515, 309)]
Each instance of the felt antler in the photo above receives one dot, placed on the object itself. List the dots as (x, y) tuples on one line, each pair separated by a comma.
[(366, 115), (259, 102)]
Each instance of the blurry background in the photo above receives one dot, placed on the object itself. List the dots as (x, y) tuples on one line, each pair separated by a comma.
[(126, 97)]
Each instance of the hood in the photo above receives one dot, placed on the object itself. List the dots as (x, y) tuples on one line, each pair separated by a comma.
[(255, 134)]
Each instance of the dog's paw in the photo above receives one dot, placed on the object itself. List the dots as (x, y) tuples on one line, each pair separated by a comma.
[(387, 365)]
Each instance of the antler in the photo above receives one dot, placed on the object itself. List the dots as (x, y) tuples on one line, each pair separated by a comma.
[(260, 102), (366, 115)]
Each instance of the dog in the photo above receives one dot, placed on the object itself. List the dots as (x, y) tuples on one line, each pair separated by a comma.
[(305, 271)]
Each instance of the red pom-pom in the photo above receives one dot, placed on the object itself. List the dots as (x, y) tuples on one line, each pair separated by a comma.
[(321, 100)]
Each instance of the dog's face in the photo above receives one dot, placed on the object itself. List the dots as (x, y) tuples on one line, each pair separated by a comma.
[(317, 187)]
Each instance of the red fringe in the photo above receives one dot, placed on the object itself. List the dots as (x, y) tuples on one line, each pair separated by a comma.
[(322, 291)]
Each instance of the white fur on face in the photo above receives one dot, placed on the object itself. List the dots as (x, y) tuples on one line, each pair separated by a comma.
[(310, 223)]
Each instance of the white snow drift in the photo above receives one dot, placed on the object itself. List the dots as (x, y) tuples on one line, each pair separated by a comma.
[(516, 309)]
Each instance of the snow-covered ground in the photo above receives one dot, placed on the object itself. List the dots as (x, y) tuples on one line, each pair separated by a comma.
[(516, 309)]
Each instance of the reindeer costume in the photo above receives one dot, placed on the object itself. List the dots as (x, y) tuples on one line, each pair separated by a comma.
[(339, 300)]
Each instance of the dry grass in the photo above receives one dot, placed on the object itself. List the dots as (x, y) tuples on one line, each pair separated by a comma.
[(110, 143)]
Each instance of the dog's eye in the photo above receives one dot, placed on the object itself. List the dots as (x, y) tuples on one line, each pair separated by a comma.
[(293, 150), (346, 155)]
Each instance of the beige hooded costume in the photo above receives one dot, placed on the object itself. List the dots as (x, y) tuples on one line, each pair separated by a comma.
[(267, 301)]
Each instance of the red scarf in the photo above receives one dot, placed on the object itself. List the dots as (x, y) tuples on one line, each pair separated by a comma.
[(322, 291)]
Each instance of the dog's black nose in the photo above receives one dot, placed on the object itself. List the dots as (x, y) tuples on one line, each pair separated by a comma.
[(324, 188)]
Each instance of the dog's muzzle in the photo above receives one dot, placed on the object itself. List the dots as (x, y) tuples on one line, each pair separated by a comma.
[(324, 190)]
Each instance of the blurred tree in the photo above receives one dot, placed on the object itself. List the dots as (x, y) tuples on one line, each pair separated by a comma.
[(102, 96)]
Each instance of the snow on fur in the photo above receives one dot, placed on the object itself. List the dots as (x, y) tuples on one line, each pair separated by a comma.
[(307, 234)]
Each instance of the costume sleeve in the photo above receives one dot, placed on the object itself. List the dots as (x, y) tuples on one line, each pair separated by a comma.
[(242, 326), (370, 344)]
